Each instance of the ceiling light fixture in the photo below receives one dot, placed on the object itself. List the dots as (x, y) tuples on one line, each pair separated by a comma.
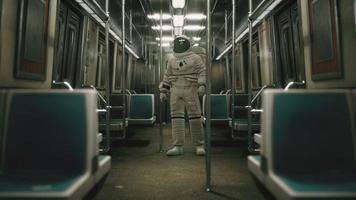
[(195, 16), (164, 27), (196, 39), (156, 16), (166, 39), (194, 28), (164, 44), (178, 3), (178, 30), (178, 20)]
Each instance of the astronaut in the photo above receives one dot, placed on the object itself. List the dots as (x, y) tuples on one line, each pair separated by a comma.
[(185, 78), (200, 51)]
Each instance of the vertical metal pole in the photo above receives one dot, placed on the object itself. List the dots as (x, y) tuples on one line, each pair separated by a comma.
[(208, 100), (226, 24), (107, 80), (146, 68), (249, 79), (123, 75), (161, 69), (233, 78)]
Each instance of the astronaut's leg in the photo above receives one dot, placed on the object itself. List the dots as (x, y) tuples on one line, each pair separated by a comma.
[(178, 123), (195, 120)]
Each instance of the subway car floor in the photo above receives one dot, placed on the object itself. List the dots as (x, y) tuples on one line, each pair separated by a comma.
[(139, 172)]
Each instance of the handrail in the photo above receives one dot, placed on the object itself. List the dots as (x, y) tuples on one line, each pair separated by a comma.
[(256, 110), (100, 96), (228, 91), (258, 95), (101, 110), (128, 91), (292, 83), (65, 83)]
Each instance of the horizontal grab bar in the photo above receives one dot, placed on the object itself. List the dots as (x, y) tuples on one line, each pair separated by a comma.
[(101, 110), (257, 110)]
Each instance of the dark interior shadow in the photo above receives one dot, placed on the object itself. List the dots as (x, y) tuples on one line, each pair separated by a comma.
[(227, 143), (130, 143), (216, 193)]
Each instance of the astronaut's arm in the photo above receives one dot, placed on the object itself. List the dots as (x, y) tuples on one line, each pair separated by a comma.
[(165, 85), (201, 70)]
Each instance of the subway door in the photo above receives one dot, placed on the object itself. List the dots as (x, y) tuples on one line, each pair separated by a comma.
[(289, 48), (67, 43), (100, 70)]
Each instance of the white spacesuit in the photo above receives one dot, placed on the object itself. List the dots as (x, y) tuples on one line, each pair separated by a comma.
[(200, 51), (185, 78)]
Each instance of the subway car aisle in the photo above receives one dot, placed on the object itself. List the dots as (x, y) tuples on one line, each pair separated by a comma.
[(139, 172)]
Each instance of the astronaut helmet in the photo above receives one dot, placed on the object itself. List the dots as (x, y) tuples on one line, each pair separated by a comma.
[(181, 44)]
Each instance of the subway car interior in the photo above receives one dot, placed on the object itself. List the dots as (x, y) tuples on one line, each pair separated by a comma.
[(178, 99)]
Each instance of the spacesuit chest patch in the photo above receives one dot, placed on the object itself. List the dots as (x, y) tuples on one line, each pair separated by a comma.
[(182, 64)]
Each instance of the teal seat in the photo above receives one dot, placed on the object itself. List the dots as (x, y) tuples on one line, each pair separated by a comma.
[(219, 108), (50, 145), (308, 145), (141, 109)]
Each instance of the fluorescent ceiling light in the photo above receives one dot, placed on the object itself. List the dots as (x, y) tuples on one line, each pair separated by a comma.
[(166, 39), (195, 16), (178, 20), (195, 45), (164, 44), (156, 16), (178, 3), (194, 28), (196, 38), (164, 27), (178, 30)]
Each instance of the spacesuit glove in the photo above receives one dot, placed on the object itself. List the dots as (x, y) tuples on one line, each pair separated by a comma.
[(201, 90), (163, 97)]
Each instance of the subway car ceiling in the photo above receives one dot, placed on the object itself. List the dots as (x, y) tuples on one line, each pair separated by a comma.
[(142, 35)]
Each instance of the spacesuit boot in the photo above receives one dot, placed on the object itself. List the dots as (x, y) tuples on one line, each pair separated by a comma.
[(175, 151), (178, 135), (196, 130), (200, 150)]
